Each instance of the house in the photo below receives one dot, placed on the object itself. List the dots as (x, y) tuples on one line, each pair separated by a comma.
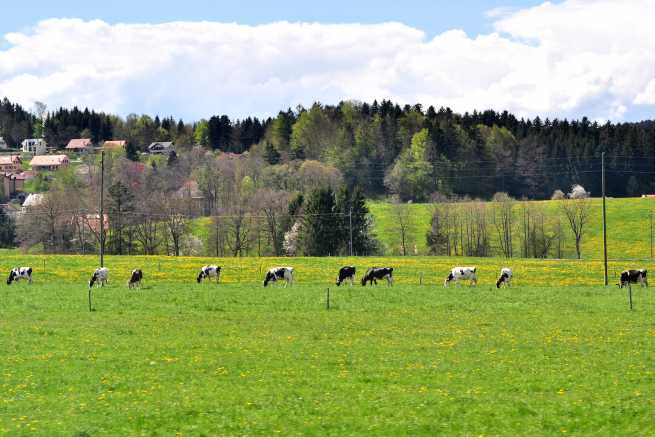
[(114, 145), (3, 144), (10, 163), (49, 162), (34, 146), (13, 183), (191, 197), (160, 148), (80, 145), (93, 222)]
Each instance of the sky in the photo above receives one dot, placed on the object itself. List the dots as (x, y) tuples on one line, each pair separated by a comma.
[(197, 58)]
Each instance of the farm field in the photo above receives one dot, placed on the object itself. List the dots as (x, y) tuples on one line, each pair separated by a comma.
[(627, 220), (556, 353)]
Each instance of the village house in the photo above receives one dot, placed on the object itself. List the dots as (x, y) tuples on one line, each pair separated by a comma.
[(114, 145), (192, 197), (34, 146), (49, 162), (3, 144), (10, 163), (80, 145), (13, 183), (160, 148)]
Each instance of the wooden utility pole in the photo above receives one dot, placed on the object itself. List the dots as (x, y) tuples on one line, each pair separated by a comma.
[(102, 209), (604, 216), (350, 224), (651, 233)]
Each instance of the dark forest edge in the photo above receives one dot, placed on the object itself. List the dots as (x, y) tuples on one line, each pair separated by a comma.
[(386, 149)]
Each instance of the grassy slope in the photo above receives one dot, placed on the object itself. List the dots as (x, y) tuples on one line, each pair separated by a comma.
[(628, 228), (177, 357)]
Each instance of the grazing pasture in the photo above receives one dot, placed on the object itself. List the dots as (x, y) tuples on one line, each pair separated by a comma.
[(555, 353)]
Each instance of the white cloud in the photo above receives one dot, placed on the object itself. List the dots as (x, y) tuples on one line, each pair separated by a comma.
[(579, 57)]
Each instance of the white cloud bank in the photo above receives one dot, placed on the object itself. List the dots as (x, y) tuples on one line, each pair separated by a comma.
[(579, 57)]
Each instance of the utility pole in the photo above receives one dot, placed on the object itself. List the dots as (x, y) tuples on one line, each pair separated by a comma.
[(350, 224), (604, 216), (651, 233), (102, 209)]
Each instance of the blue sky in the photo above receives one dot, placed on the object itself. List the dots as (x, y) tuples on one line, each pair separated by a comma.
[(433, 17), (196, 58)]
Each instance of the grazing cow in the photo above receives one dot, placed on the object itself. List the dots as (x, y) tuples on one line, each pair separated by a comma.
[(505, 277), (279, 273), (209, 272), (99, 277), (461, 273), (135, 279), (632, 277), (20, 273), (374, 273), (346, 274)]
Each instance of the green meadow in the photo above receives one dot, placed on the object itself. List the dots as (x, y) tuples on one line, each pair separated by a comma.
[(556, 353), (628, 227)]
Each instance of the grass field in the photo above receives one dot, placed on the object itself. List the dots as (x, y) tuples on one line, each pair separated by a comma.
[(627, 223), (554, 354)]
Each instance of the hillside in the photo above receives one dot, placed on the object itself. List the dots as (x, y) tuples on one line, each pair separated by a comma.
[(628, 231)]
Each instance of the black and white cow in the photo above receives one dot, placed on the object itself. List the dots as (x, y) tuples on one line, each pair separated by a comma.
[(374, 273), (20, 273), (135, 279), (505, 277), (632, 277), (279, 273), (99, 277), (208, 272), (461, 273), (346, 273)]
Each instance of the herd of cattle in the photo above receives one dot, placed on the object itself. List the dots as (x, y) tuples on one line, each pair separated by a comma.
[(346, 274)]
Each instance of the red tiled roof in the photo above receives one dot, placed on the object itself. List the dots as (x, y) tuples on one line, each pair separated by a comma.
[(9, 159), (114, 144), (79, 143), (48, 160)]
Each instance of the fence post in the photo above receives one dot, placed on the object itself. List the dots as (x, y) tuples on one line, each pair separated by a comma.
[(328, 299), (630, 294), (420, 278)]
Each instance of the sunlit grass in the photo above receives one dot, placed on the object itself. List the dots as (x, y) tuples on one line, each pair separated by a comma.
[(628, 227), (556, 353)]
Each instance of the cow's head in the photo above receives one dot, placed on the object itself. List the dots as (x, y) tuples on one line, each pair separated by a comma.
[(200, 276), (12, 276), (93, 280), (449, 278), (270, 276)]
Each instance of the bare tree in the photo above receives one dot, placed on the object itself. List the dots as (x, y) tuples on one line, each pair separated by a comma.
[(273, 204), (577, 213), (503, 220), (404, 226), (477, 237)]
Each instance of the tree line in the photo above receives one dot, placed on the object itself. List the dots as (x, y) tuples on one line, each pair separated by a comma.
[(385, 149)]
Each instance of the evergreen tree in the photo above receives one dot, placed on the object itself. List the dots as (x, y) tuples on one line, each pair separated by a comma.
[(172, 159), (7, 230), (321, 224), (121, 204), (355, 215), (131, 152), (271, 154)]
